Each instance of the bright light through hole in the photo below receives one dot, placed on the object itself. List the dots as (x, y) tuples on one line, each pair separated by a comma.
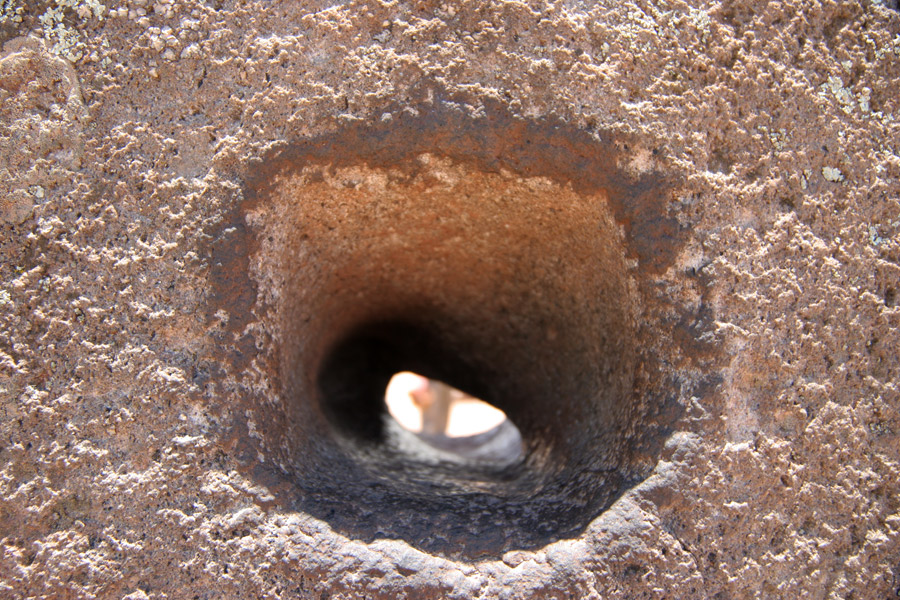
[(424, 405)]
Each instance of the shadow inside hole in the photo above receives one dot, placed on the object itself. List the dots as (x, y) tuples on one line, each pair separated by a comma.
[(354, 378), (352, 386), (388, 482)]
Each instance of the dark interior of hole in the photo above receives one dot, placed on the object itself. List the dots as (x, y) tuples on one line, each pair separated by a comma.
[(357, 371), (453, 508)]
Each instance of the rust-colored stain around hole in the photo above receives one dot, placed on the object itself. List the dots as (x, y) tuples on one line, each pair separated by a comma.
[(492, 141)]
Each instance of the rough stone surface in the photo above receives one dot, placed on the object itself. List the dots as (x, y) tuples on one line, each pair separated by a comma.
[(139, 316)]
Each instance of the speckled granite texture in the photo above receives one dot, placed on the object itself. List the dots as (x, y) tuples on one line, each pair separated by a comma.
[(699, 337)]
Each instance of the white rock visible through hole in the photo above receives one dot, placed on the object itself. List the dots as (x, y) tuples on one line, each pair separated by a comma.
[(423, 405)]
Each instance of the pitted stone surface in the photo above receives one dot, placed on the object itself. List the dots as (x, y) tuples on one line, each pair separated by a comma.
[(128, 137)]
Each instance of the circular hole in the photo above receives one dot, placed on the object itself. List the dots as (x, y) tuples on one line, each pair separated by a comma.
[(514, 290)]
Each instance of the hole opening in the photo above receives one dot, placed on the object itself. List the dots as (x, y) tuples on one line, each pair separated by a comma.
[(452, 421), (514, 285), (515, 291), (352, 387), (432, 407)]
